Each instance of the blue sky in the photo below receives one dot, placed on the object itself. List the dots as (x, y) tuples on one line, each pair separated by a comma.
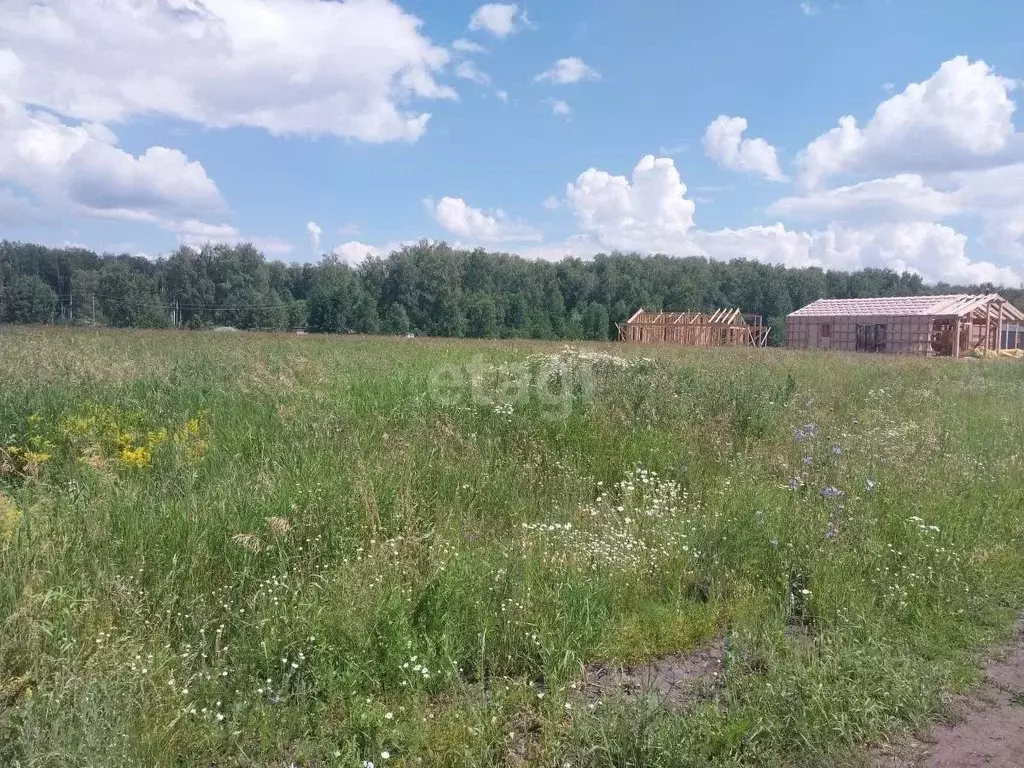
[(554, 127)]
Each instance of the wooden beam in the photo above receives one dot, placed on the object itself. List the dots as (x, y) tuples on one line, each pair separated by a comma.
[(988, 324)]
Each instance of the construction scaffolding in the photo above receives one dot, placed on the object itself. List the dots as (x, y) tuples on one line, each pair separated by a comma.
[(722, 328), (932, 326)]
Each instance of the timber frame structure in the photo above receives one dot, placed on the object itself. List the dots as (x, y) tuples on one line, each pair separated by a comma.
[(953, 325), (722, 328)]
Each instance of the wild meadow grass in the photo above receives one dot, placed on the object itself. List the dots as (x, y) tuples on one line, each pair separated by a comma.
[(259, 550)]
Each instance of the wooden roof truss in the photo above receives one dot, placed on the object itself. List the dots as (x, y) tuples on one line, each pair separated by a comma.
[(721, 328)]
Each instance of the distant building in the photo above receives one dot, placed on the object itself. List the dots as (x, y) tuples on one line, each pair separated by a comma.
[(722, 328), (946, 326), (1013, 336)]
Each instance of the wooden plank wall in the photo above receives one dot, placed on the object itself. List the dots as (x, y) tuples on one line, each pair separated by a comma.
[(904, 335)]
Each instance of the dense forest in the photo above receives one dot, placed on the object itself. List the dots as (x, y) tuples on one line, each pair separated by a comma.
[(426, 289)]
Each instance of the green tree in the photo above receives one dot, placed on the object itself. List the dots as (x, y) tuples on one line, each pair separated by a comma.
[(482, 317), (27, 299), (396, 321), (595, 322), (297, 313), (129, 299)]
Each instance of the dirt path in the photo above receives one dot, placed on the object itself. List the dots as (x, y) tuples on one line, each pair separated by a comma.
[(990, 728)]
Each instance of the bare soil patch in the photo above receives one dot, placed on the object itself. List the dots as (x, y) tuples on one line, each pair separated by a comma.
[(676, 681), (989, 725)]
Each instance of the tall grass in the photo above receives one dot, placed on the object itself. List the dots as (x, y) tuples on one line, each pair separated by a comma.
[(270, 550)]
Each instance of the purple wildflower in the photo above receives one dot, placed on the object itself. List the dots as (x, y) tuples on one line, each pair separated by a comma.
[(837, 449), (806, 432), (833, 530), (831, 492), (808, 460), (794, 483)]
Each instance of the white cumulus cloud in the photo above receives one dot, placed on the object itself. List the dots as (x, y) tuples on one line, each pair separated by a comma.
[(958, 117), (461, 219), (315, 235), (80, 167), (898, 198), (353, 252), (648, 211), (467, 70), (349, 69), (16, 210), (567, 71), (724, 143), (196, 234), (462, 45), (500, 19), (559, 108)]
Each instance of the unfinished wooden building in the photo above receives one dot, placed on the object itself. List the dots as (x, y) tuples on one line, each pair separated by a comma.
[(722, 328), (944, 326)]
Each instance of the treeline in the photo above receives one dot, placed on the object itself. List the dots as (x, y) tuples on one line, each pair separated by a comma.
[(427, 289)]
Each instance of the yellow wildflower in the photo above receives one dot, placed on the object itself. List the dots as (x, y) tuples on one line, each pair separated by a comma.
[(154, 439), (136, 457), (78, 426), (10, 516), (34, 419)]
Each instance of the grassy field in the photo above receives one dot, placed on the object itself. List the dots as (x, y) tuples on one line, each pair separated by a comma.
[(258, 550)]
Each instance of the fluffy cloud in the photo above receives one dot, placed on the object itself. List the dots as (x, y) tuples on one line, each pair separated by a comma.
[(993, 195), (500, 19), (935, 251), (196, 234), (462, 45), (724, 143), (960, 116), (15, 210), (288, 66), (353, 252), (315, 235), (559, 108), (80, 166), (997, 195), (467, 70), (648, 211), (568, 71), (463, 220), (900, 198)]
